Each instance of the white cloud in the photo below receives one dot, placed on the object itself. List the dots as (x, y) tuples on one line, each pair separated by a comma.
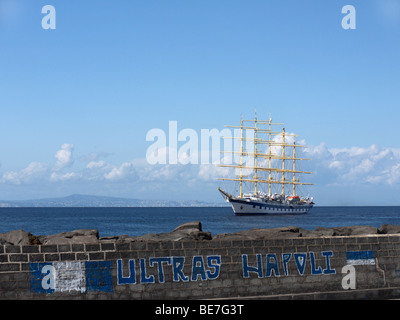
[(32, 172), (160, 155), (336, 164), (124, 171), (211, 172), (162, 173), (394, 175), (93, 156), (96, 164), (355, 165), (64, 156), (351, 168), (55, 176)]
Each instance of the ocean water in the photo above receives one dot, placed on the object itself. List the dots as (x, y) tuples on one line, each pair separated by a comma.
[(139, 221)]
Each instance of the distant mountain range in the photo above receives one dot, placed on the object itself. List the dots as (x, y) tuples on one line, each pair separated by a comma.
[(80, 200)]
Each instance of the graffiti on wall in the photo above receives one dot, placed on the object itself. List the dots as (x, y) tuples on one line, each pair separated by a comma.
[(207, 268), (355, 258), (66, 276), (86, 276), (272, 266), (360, 258), (89, 276)]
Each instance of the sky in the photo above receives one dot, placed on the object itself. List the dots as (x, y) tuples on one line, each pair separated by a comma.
[(77, 102)]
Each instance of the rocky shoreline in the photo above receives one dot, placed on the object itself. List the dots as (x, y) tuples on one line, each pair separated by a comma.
[(191, 231)]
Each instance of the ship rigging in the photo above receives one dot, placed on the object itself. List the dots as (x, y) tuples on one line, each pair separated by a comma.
[(266, 158)]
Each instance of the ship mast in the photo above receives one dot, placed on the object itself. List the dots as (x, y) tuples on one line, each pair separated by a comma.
[(255, 150), (241, 155), (269, 157), (283, 162), (264, 127), (294, 168)]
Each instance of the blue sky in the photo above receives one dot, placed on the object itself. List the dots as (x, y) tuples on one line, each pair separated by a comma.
[(77, 102)]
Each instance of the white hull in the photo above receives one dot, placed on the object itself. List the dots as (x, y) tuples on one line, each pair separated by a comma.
[(251, 207)]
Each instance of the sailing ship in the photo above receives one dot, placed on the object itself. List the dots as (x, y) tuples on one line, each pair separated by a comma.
[(267, 162)]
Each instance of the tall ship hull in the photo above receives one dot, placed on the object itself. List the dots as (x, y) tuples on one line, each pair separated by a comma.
[(246, 206), (267, 163)]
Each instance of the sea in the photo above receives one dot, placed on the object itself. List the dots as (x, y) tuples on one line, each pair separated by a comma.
[(136, 221)]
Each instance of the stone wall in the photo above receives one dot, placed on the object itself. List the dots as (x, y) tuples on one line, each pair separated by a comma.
[(203, 269)]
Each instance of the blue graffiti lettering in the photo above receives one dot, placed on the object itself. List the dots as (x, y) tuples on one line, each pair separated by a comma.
[(314, 270), (131, 279), (203, 268), (300, 259), (177, 269), (285, 259), (198, 268), (159, 262), (216, 265), (247, 268), (328, 269), (143, 277), (272, 265)]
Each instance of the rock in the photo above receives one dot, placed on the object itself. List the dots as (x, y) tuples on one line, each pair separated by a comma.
[(123, 237), (340, 231), (196, 225), (318, 232), (259, 234), (76, 236), (191, 231), (295, 232), (389, 229), (34, 240), (354, 231), (18, 237), (2, 241), (186, 231)]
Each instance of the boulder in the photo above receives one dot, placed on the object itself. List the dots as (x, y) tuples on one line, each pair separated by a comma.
[(354, 231), (259, 234), (340, 231), (18, 237), (123, 237), (195, 225), (186, 231), (2, 241), (389, 229), (318, 232), (76, 236), (295, 232), (191, 231)]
